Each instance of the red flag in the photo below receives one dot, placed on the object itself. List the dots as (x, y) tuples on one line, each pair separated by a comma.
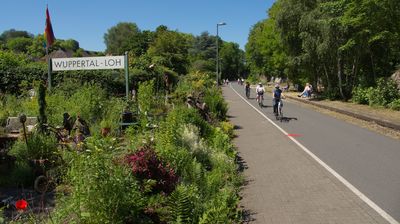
[(48, 30)]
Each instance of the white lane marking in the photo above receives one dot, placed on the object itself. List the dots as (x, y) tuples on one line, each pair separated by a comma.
[(374, 206)]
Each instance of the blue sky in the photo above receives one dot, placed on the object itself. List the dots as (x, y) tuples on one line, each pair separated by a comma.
[(87, 20)]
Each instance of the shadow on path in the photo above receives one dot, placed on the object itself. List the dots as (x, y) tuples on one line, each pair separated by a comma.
[(286, 119), (242, 165), (247, 215)]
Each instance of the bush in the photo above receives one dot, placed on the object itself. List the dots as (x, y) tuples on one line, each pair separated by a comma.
[(102, 190), (216, 103), (183, 205), (385, 92), (395, 105), (360, 95), (146, 166), (227, 128), (40, 146), (221, 209)]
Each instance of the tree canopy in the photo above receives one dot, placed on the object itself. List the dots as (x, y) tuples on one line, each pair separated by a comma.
[(337, 43)]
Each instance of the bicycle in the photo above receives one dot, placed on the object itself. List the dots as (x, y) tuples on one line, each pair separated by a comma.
[(260, 99), (278, 111), (247, 89), (247, 92)]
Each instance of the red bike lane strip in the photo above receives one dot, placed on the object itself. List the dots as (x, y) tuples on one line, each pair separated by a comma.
[(294, 135)]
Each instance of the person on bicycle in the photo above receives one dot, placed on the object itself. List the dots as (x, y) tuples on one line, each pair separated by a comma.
[(247, 87), (276, 97), (260, 91)]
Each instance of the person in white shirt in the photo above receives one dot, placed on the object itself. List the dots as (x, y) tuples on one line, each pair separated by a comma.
[(260, 91)]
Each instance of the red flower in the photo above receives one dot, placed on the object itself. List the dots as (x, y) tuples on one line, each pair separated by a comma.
[(21, 204)]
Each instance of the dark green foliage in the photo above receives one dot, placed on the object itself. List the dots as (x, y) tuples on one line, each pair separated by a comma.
[(21, 175), (42, 107), (232, 61), (12, 33)]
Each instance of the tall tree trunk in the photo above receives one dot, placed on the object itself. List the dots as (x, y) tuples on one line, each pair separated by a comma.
[(372, 66), (340, 74), (316, 77), (328, 82), (354, 72)]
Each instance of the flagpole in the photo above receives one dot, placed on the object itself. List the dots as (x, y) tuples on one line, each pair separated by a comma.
[(49, 38), (49, 71)]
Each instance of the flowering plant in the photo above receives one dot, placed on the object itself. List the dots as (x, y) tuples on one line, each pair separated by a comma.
[(146, 165), (21, 204)]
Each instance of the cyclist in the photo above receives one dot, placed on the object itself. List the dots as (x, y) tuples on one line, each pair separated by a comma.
[(247, 87), (276, 96), (260, 92)]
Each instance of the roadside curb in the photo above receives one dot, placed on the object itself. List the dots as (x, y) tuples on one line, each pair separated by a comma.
[(383, 123)]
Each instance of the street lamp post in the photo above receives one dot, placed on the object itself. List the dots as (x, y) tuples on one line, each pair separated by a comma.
[(218, 24)]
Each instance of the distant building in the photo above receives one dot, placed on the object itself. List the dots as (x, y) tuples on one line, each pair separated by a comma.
[(60, 53)]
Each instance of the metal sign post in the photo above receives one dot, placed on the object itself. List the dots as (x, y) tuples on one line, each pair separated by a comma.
[(126, 76)]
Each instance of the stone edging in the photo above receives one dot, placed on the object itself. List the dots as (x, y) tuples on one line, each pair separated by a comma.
[(359, 116)]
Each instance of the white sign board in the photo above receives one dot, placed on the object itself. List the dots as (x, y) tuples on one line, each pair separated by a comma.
[(88, 63)]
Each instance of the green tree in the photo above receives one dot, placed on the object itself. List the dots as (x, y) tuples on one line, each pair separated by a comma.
[(170, 49), (232, 61), (202, 52), (19, 44), (12, 33), (119, 38), (265, 52), (37, 49), (70, 44)]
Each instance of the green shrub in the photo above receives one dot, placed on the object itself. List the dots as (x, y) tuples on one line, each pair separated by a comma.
[(102, 190), (88, 101), (216, 103), (384, 93), (395, 105), (40, 146), (227, 128), (222, 143), (222, 208), (183, 204), (360, 95)]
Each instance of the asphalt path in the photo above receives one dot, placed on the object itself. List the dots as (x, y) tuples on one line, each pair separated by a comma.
[(367, 160)]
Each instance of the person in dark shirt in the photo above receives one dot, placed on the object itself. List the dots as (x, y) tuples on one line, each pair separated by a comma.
[(276, 96)]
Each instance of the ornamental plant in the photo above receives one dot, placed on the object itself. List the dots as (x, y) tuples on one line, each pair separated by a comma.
[(146, 165), (21, 205)]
